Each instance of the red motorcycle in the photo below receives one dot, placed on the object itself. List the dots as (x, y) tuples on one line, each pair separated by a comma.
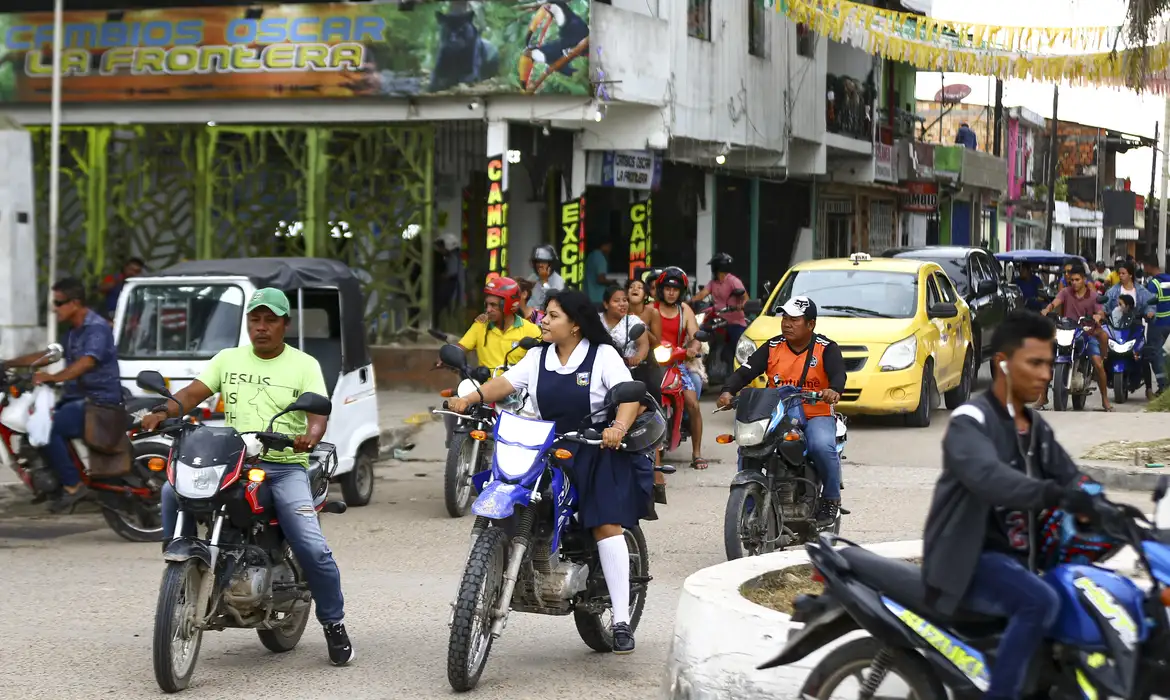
[(672, 358)]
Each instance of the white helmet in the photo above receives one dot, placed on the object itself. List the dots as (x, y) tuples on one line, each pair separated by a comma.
[(449, 241)]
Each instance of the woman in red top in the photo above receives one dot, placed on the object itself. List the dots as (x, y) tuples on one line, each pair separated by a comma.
[(679, 328)]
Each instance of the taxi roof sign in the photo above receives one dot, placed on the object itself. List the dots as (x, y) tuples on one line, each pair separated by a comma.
[(860, 258)]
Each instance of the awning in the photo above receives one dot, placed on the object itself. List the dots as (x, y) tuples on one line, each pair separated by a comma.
[(922, 6), (1125, 234)]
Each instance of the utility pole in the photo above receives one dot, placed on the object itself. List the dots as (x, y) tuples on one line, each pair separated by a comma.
[(997, 143), (1053, 156), (1165, 185)]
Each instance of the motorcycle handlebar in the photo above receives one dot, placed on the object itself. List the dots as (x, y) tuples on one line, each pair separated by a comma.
[(805, 395), (588, 437)]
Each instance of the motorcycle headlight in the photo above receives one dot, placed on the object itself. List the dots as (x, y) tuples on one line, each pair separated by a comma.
[(198, 482), (1064, 336), (1122, 348), (662, 354), (515, 460), (744, 349), (751, 434), (900, 355)]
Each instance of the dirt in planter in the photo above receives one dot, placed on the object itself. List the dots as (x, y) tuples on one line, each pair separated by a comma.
[(1122, 450), (779, 589)]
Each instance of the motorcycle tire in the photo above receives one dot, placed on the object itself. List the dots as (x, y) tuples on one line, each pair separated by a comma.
[(120, 516), (286, 637), (733, 522), (1059, 388), (180, 582), (1120, 388), (1078, 401), (458, 491), (357, 485), (483, 578), (594, 631), (853, 659)]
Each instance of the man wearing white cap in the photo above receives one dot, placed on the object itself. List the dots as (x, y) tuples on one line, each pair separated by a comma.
[(801, 358)]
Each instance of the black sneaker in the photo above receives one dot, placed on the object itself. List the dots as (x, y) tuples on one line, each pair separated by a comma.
[(68, 501), (660, 493), (827, 513), (623, 639), (340, 650)]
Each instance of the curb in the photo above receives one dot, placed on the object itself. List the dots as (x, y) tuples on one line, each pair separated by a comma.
[(720, 637), (1124, 479)]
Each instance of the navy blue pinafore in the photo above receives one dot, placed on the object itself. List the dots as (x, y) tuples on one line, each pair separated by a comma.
[(613, 488)]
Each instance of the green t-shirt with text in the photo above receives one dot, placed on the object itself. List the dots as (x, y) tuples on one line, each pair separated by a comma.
[(254, 390)]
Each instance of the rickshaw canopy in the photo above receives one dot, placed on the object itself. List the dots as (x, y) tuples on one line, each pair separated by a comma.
[(1038, 257)]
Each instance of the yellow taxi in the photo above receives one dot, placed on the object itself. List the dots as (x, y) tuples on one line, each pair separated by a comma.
[(903, 330)]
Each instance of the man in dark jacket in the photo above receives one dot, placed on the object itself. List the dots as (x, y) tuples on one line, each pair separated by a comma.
[(966, 137), (1001, 466)]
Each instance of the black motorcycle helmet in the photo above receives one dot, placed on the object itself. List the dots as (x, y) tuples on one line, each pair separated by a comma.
[(720, 263), (647, 432), (672, 277)]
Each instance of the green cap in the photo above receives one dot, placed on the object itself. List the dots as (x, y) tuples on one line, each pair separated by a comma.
[(270, 297)]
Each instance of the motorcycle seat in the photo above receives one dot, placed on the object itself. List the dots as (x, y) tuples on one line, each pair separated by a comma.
[(901, 582)]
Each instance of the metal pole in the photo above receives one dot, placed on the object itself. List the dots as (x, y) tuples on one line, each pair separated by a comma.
[(1165, 183), (1053, 156), (997, 144), (55, 159)]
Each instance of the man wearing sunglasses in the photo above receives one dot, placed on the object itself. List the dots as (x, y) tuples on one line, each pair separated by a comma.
[(90, 374)]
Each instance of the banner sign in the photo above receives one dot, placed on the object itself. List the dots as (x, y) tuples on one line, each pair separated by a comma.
[(300, 51), (573, 242), (633, 170), (641, 214), (883, 163), (920, 197), (497, 219)]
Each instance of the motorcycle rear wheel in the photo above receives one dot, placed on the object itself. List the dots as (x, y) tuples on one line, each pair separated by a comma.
[(288, 635), (736, 521), (174, 624), (595, 630), (853, 660), (471, 625)]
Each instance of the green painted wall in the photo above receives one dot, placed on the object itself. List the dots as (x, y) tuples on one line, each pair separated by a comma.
[(944, 221)]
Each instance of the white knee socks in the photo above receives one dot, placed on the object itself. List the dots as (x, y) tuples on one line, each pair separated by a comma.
[(615, 564)]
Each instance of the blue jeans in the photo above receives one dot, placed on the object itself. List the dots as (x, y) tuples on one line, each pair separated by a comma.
[(68, 424), (1092, 346), (734, 333), (1155, 338), (293, 501), (821, 437), (1003, 587), (695, 382)]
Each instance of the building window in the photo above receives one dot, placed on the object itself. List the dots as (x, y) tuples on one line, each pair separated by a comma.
[(806, 44), (757, 29), (699, 19)]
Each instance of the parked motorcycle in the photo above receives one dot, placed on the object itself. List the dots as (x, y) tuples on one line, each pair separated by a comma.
[(528, 554), (241, 573), (673, 357), (1127, 340), (471, 446), (1073, 374), (774, 498), (1111, 638), (129, 503)]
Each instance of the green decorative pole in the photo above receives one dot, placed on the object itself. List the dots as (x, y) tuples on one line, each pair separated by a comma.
[(754, 273)]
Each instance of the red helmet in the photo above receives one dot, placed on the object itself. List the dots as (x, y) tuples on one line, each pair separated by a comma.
[(507, 290)]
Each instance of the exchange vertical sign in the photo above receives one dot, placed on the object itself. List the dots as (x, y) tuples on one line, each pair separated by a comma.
[(573, 242), (497, 219), (640, 235)]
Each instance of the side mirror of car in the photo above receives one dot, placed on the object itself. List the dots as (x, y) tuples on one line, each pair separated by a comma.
[(309, 402), (452, 356), (987, 288), (527, 343), (626, 392), (753, 307), (637, 332), (151, 380), (942, 311)]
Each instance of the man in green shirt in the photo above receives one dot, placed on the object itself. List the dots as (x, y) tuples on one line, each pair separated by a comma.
[(596, 269), (257, 381)]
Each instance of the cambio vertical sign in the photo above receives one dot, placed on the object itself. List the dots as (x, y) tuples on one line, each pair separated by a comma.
[(573, 242), (497, 219), (640, 235)]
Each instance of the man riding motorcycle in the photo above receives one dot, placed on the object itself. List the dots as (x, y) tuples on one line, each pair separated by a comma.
[(679, 328), (1075, 301), (257, 381), (496, 334), (722, 289), (544, 275), (1001, 466), (802, 358), (90, 377)]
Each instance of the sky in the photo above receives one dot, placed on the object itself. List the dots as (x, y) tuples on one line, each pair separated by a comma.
[(1111, 108)]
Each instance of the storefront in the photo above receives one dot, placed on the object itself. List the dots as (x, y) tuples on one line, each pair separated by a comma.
[(853, 218)]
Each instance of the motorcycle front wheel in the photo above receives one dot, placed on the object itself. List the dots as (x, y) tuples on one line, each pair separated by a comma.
[(596, 629), (176, 636), (1120, 388), (1060, 387), (458, 493), (748, 531), (471, 625), (846, 669)]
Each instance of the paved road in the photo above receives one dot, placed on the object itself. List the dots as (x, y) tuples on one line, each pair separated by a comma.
[(78, 602)]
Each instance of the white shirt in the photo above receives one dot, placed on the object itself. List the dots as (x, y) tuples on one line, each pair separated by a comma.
[(609, 370), (621, 334)]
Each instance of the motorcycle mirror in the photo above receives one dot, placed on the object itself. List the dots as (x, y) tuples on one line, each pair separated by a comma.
[(638, 331), (702, 336), (481, 375), (309, 402), (626, 392), (452, 356), (1161, 487), (753, 306), (54, 351), (528, 343), (151, 380)]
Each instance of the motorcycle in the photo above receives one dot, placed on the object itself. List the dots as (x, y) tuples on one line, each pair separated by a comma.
[(129, 503), (527, 553), (718, 359), (774, 498), (1127, 340), (469, 453), (1073, 374), (242, 572), (673, 357), (1111, 638)]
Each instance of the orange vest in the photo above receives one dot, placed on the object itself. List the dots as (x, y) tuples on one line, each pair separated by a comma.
[(785, 367)]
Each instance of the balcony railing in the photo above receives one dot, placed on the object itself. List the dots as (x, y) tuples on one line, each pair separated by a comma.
[(847, 105)]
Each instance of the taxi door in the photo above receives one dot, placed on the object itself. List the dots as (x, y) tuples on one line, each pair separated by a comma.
[(942, 350), (951, 333)]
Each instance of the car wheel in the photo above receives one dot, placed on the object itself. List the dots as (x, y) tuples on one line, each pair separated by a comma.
[(920, 418), (958, 396)]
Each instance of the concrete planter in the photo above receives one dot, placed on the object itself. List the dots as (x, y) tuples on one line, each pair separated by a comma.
[(720, 637)]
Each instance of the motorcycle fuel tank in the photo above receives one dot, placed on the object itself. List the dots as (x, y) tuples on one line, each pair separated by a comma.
[(1085, 589)]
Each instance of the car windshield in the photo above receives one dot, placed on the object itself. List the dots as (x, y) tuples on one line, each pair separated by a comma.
[(853, 292), (956, 269), (171, 321)]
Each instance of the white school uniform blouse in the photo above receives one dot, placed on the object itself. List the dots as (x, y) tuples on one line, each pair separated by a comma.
[(609, 369)]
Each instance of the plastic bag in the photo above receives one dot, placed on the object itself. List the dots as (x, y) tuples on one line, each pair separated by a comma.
[(40, 422)]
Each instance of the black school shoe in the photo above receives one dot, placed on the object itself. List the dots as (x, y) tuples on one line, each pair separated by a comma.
[(827, 513), (340, 650), (623, 639)]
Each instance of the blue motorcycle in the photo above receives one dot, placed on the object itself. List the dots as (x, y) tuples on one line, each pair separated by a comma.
[(528, 554), (1073, 374), (1111, 639), (1127, 339)]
